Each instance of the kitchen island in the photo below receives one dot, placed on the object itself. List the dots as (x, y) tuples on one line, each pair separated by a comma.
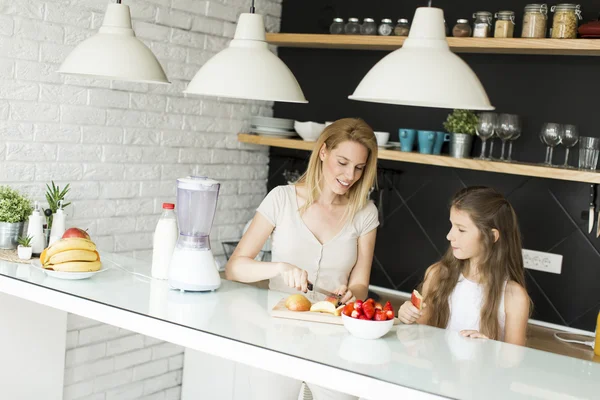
[(233, 323)]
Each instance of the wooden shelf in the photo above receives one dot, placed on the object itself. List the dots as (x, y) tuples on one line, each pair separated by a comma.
[(512, 168), (581, 47)]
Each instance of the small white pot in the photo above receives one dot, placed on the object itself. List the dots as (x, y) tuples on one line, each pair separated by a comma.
[(24, 253)]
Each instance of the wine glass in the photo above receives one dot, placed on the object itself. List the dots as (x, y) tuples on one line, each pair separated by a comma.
[(505, 130), (569, 136), (492, 138), (516, 127), (485, 129), (551, 133)]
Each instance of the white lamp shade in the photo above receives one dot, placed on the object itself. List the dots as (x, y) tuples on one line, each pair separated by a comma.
[(115, 53), (247, 69), (424, 72)]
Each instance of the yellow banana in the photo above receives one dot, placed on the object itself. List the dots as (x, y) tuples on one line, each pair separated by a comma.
[(73, 255), (68, 244), (76, 266)]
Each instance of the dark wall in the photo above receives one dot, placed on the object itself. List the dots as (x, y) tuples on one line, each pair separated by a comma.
[(413, 198)]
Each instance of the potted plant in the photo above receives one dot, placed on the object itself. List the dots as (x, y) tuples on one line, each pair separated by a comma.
[(54, 197), (24, 250), (461, 124), (14, 210)]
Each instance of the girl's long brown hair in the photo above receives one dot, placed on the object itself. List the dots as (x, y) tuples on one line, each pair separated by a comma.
[(502, 260)]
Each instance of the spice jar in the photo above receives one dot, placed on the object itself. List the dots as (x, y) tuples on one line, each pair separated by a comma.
[(369, 27), (385, 28), (482, 26), (565, 22), (337, 26), (352, 27), (402, 28), (462, 28), (505, 24), (535, 18)]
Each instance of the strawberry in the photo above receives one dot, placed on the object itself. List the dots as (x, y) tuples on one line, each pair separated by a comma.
[(364, 317), (389, 310), (416, 299), (356, 314), (358, 304), (380, 315), (370, 300), (348, 308), (378, 306), (368, 309)]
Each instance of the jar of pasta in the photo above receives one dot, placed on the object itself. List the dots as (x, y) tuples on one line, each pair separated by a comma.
[(505, 24), (535, 19), (566, 20)]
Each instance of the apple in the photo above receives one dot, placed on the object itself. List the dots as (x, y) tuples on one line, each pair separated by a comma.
[(416, 299), (75, 233), (297, 302), (323, 306)]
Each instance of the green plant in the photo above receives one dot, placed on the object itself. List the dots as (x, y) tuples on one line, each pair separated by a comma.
[(25, 241), (14, 207), (461, 121), (53, 196)]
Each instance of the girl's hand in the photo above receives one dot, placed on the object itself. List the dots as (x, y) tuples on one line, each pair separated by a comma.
[(344, 294), (294, 277), (473, 334), (409, 314)]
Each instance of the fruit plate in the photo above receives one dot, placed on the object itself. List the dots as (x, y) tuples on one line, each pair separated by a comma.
[(66, 275)]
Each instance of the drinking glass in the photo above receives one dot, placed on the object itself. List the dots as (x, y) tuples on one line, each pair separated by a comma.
[(506, 123), (569, 138), (551, 133), (516, 128), (589, 148), (485, 129)]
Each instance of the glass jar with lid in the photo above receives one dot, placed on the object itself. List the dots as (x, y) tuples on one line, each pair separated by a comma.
[(337, 26), (482, 26), (505, 24), (352, 27), (462, 28), (402, 28), (385, 28), (369, 27), (565, 21), (535, 19)]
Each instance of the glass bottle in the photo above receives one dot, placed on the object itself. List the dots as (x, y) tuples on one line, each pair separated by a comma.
[(565, 21), (535, 18), (462, 28), (505, 24), (482, 26), (369, 27), (337, 27), (385, 28), (402, 28), (352, 27)]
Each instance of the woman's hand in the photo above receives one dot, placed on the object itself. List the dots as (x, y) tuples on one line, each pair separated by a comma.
[(344, 294), (294, 277), (409, 314), (473, 334)]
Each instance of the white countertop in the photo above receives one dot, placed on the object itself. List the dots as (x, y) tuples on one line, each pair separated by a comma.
[(234, 323)]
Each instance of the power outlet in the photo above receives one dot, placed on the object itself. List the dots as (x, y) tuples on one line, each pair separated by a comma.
[(546, 262)]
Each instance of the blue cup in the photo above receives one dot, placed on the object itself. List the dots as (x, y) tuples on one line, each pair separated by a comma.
[(426, 141), (440, 138), (407, 139)]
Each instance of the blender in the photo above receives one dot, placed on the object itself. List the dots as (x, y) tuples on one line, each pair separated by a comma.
[(193, 266)]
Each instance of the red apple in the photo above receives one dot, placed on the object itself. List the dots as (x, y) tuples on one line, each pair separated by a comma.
[(416, 299), (75, 233)]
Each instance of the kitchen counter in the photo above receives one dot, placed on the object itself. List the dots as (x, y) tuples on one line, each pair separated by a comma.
[(417, 362)]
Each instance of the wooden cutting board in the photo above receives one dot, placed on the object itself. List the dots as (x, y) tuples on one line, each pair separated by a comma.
[(280, 311)]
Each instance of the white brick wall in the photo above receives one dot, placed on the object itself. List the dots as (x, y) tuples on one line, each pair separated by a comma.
[(121, 146)]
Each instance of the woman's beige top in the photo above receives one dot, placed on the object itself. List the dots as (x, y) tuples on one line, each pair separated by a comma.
[(328, 264)]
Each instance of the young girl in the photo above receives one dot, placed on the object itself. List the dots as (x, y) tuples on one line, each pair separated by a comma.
[(478, 287)]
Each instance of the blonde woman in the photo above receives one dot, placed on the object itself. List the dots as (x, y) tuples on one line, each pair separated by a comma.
[(323, 227)]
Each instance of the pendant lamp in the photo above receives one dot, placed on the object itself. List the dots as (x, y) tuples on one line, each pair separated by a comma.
[(247, 69), (424, 72), (114, 52)]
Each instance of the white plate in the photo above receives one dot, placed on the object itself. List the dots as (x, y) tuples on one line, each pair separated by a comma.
[(269, 129), (66, 275), (270, 133)]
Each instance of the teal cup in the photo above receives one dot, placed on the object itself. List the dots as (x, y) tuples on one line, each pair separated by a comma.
[(426, 141), (440, 139), (407, 139)]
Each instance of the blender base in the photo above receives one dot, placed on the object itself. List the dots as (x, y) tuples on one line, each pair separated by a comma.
[(193, 271)]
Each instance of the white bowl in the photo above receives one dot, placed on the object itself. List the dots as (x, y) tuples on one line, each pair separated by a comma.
[(309, 130), (382, 138), (365, 329)]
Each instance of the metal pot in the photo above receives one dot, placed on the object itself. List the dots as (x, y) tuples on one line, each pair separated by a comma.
[(460, 145), (9, 234)]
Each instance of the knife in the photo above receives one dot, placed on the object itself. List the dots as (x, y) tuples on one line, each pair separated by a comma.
[(311, 287), (591, 217)]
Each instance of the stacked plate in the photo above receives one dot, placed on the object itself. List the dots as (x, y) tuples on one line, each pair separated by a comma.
[(273, 127)]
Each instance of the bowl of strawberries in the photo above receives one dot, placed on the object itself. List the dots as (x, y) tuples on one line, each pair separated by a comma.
[(368, 319)]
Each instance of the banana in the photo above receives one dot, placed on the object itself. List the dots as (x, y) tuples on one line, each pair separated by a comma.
[(73, 255), (68, 244), (76, 266)]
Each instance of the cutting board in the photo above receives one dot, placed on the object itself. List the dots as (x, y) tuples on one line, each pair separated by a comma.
[(280, 311)]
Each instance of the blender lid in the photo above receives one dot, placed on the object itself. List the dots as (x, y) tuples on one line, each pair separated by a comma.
[(197, 183)]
